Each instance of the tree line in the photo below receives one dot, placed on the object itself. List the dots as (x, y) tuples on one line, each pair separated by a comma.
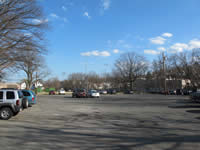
[(131, 66)]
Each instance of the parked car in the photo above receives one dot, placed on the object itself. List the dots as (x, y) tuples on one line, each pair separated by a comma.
[(61, 92), (195, 96), (179, 92), (11, 102), (30, 95), (103, 92), (93, 93), (164, 92), (128, 92), (111, 91), (52, 92), (172, 92), (187, 92), (79, 93)]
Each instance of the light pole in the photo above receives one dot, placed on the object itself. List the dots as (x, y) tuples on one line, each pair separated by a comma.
[(106, 65), (164, 74), (86, 76)]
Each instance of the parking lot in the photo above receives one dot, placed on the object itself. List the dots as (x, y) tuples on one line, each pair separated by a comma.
[(110, 122)]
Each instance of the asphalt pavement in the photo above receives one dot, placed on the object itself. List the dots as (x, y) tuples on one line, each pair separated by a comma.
[(117, 122)]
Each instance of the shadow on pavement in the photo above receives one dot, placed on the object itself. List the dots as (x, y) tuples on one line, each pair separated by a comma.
[(185, 103), (184, 106), (106, 132), (194, 111), (62, 138)]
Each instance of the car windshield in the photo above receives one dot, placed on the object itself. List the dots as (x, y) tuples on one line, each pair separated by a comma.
[(20, 94), (32, 93), (81, 90)]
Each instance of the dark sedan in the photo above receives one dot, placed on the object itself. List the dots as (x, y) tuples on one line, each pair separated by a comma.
[(79, 93)]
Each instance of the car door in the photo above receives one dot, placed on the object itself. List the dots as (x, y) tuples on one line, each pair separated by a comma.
[(10, 97), (27, 95), (1, 96)]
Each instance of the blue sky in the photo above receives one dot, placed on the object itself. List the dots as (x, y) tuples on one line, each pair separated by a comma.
[(96, 32)]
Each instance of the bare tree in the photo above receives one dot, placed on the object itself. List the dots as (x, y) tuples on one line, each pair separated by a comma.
[(2, 75), (33, 65), (81, 80), (186, 65), (94, 80), (78, 80), (159, 72), (130, 66), (53, 83), (114, 80), (21, 24)]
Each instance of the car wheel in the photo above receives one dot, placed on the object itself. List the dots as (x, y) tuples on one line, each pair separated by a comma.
[(6, 113), (25, 103)]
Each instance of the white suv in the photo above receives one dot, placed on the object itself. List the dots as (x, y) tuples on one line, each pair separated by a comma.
[(11, 101)]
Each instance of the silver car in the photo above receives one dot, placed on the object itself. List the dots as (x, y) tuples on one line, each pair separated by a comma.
[(93, 93), (11, 102)]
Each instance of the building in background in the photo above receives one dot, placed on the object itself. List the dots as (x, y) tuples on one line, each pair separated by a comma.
[(35, 85), (10, 85)]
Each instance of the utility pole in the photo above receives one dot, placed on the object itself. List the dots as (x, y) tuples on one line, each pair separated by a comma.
[(164, 74), (36, 76), (106, 65), (86, 76)]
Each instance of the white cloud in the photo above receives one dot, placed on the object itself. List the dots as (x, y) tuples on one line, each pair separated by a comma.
[(65, 20), (116, 51), (28, 34), (123, 44), (128, 46), (105, 53), (54, 16), (158, 40), (161, 49), (120, 41), (36, 21), (96, 53), (195, 43), (86, 14), (39, 21), (152, 52), (86, 54), (167, 35), (64, 8), (106, 4), (179, 47)]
